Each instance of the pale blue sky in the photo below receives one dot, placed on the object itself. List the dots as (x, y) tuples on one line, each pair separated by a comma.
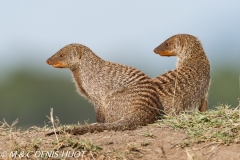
[(120, 31)]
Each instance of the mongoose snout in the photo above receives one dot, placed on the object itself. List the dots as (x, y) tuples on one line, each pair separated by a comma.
[(164, 53), (165, 49), (56, 64)]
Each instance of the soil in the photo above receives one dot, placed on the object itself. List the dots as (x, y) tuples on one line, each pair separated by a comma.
[(147, 143)]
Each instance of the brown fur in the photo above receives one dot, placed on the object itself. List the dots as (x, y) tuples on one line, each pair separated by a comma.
[(186, 87), (123, 96)]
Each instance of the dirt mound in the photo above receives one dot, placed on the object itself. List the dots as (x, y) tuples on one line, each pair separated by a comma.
[(211, 135), (148, 142)]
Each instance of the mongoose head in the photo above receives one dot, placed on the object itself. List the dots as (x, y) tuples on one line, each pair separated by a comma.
[(177, 45), (68, 57)]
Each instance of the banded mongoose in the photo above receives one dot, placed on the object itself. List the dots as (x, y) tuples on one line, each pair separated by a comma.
[(123, 97), (186, 87)]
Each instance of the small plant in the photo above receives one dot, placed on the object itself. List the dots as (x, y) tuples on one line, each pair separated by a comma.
[(86, 145), (148, 134), (145, 143), (36, 143), (132, 147), (55, 122), (75, 143), (6, 127), (190, 155)]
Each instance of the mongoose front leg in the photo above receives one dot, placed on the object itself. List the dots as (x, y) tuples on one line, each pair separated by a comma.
[(203, 106), (100, 115)]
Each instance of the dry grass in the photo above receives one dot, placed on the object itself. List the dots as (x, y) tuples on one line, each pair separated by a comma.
[(8, 129), (219, 125), (54, 122)]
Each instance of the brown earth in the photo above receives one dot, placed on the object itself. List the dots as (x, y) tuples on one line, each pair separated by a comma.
[(147, 143)]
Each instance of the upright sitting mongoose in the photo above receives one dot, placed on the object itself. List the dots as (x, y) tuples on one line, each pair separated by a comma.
[(123, 96), (186, 87)]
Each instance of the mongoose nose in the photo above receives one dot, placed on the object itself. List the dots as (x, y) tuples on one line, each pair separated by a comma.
[(155, 51), (48, 61)]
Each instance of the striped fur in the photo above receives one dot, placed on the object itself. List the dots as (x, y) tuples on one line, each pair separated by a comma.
[(123, 96), (186, 87)]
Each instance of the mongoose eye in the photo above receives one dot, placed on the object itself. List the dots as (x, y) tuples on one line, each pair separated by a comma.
[(61, 55), (167, 44)]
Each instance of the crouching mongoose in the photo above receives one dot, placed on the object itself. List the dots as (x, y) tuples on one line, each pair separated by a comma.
[(123, 97), (186, 87)]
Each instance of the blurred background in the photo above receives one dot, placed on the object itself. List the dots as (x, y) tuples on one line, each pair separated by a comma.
[(119, 31)]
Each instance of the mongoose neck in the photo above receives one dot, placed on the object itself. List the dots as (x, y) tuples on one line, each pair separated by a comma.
[(191, 58), (89, 77)]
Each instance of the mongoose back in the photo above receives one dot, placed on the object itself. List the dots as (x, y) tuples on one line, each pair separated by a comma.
[(186, 87), (123, 97)]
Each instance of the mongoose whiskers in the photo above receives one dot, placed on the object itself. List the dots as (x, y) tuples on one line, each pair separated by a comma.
[(123, 97), (186, 87)]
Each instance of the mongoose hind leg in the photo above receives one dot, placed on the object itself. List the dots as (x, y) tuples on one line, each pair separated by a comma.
[(203, 106), (125, 109), (139, 100)]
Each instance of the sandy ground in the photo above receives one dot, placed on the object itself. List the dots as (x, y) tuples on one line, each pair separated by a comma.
[(148, 142)]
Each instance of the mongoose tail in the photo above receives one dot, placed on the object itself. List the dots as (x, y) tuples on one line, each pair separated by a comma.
[(186, 87), (124, 124), (123, 97)]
